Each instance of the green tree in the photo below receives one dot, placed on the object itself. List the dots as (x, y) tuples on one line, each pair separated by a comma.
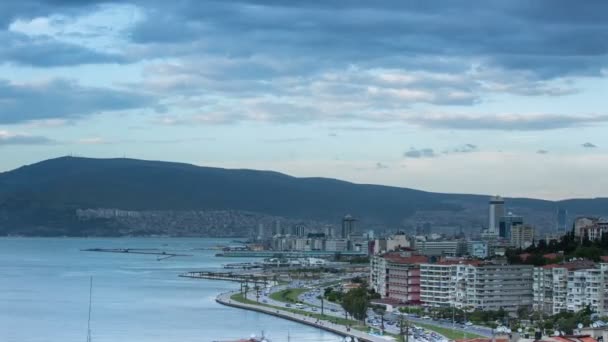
[(356, 302)]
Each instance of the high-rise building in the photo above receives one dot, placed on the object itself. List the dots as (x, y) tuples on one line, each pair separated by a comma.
[(348, 226), (562, 217), (497, 210), (300, 230), (506, 223), (522, 236), (261, 231)]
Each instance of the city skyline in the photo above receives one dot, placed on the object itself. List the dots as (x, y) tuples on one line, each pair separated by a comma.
[(489, 97)]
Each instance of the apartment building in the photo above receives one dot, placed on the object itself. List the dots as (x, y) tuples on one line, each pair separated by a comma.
[(476, 285), (588, 287), (396, 275), (550, 285)]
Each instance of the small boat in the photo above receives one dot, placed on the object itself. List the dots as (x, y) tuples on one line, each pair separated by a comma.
[(253, 338)]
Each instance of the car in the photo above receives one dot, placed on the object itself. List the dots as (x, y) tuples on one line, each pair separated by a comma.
[(426, 317), (288, 305), (468, 323)]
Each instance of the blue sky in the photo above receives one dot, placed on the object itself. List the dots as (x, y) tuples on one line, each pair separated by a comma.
[(493, 97)]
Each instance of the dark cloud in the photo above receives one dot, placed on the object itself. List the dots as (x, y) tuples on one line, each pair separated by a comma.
[(546, 39), (46, 52), (7, 138), (542, 152), (62, 99), (530, 122), (419, 153), (588, 145), (548, 44)]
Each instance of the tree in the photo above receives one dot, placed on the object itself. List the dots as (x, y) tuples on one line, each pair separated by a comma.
[(356, 302), (523, 312)]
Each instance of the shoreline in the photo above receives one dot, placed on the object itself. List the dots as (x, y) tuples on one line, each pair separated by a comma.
[(224, 299)]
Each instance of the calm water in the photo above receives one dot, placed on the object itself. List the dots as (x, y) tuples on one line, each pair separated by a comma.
[(44, 289)]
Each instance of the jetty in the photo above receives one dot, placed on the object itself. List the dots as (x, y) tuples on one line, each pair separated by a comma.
[(230, 276), (149, 251)]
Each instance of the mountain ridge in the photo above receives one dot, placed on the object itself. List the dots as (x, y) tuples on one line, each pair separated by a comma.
[(30, 194)]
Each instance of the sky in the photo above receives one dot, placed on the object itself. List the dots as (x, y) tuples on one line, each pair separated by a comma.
[(489, 97)]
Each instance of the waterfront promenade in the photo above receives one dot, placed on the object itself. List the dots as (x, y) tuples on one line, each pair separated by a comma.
[(225, 299)]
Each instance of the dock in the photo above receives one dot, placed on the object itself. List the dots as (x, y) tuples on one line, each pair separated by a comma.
[(230, 276), (148, 251)]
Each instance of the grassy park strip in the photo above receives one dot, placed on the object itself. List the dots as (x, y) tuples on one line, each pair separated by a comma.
[(288, 295), (447, 332), (239, 297)]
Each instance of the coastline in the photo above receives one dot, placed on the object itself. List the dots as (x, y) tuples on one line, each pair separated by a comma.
[(225, 299)]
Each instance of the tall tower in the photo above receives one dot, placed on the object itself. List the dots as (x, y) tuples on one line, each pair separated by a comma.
[(348, 226), (497, 210)]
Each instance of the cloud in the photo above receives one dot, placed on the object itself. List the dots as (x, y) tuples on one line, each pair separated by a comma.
[(556, 43), (542, 152), (62, 99), (515, 122), (47, 52), (466, 148), (420, 153), (7, 138), (588, 145), (285, 140)]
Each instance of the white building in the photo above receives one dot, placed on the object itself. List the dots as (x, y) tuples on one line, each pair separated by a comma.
[(571, 287), (497, 210), (475, 285)]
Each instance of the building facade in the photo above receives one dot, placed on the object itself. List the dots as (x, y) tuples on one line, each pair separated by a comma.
[(476, 286), (396, 275), (522, 236)]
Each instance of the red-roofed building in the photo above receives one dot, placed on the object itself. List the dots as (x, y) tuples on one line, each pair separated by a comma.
[(396, 275)]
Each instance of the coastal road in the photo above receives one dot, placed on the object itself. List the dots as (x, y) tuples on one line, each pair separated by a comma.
[(224, 298)]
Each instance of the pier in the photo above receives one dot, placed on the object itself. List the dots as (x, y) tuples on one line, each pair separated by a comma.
[(162, 255), (229, 276)]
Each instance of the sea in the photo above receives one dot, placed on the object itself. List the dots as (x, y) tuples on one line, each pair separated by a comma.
[(44, 294)]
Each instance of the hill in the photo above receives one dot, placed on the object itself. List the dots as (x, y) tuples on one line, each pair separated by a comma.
[(44, 198)]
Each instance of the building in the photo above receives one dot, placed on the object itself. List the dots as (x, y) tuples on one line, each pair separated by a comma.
[(497, 210), (348, 226), (336, 245), (300, 230), (396, 275), (588, 287), (476, 286), (592, 228), (478, 249), (562, 218), (550, 285), (391, 243), (522, 236), (437, 284), (441, 247), (506, 223)]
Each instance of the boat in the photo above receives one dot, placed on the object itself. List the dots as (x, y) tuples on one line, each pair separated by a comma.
[(253, 338)]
